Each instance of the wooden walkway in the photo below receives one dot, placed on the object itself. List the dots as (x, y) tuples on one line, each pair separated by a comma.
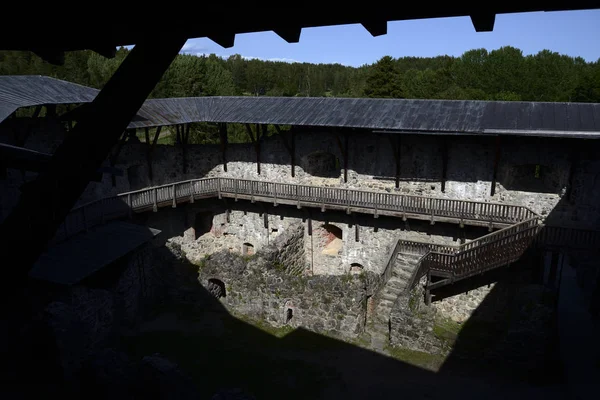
[(465, 212), (519, 225)]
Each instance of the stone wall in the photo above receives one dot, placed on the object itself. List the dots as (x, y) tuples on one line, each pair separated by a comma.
[(264, 291), (250, 225), (461, 307), (531, 171)]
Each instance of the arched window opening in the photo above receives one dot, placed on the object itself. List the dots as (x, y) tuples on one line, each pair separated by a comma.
[(248, 249), (356, 268), (216, 287), (332, 239), (289, 314)]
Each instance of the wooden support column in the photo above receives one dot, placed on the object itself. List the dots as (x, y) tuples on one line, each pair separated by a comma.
[(150, 145), (395, 143), (344, 151), (256, 143), (444, 163), (224, 143), (496, 161), (427, 290), (183, 134), (290, 147)]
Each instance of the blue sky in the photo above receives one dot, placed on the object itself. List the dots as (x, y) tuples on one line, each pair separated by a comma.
[(576, 33)]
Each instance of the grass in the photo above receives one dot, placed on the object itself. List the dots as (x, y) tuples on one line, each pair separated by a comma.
[(416, 358), (446, 330)]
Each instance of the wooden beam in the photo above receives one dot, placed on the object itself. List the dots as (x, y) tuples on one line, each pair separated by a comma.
[(43, 207), (290, 147), (156, 135), (344, 151), (224, 142), (396, 146), (148, 153), (185, 134), (483, 22), (496, 161), (573, 158), (375, 28), (444, 163), (256, 143)]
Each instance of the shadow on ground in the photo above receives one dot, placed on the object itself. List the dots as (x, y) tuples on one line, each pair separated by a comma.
[(220, 352)]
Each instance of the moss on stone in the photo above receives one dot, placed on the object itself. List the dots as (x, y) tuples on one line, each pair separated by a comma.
[(418, 358), (446, 329)]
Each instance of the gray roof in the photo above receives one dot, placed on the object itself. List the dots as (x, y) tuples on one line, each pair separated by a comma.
[(395, 115), (419, 116), (70, 262), (32, 90)]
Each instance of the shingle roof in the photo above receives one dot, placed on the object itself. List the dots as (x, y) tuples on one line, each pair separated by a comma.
[(580, 120)]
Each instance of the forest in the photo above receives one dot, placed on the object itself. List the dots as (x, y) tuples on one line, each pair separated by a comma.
[(501, 74)]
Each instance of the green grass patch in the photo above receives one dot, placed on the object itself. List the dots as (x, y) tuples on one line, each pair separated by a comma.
[(417, 358)]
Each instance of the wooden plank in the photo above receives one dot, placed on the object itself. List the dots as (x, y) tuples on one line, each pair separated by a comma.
[(224, 142), (444, 163)]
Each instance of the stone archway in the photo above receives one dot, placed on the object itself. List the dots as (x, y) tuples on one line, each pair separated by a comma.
[(288, 312), (333, 240), (356, 268), (216, 287)]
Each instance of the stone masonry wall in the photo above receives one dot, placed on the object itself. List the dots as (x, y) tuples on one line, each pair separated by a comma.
[(531, 171), (260, 290), (461, 307), (371, 251)]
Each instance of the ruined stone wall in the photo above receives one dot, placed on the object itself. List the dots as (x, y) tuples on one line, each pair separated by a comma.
[(264, 291), (531, 171), (100, 307), (323, 254), (461, 307)]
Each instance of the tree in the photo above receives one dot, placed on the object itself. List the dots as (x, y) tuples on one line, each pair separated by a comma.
[(384, 80)]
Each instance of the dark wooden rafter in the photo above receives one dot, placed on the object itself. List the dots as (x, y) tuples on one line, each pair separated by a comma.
[(256, 142), (483, 22), (496, 162), (150, 145), (43, 206), (224, 142), (396, 146), (290, 147), (444, 163), (344, 150)]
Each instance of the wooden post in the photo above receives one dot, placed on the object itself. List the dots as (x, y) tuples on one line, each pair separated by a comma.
[(574, 156), (298, 196), (356, 232), (496, 160), (235, 187), (192, 192), (154, 204), (224, 143), (115, 156), (185, 134), (219, 188), (427, 290), (129, 212), (293, 138), (256, 143), (174, 205), (291, 148), (344, 151), (395, 145), (444, 162)]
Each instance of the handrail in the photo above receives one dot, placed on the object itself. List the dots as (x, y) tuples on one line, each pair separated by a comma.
[(487, 252), (387, 272), (87, 215)]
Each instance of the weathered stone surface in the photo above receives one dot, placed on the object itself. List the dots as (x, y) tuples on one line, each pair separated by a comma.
[(461, 306), (264, 291)]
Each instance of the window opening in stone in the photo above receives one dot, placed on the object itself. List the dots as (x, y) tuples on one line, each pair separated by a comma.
[(248, 249), (356, 268), (274, 230), (333, 239), (216, 287), (288, 315)]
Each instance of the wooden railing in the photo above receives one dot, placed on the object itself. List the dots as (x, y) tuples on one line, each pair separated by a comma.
[(487, 252), (389, 268), (88, 215)]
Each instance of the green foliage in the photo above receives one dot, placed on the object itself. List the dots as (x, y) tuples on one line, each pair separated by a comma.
[(501, 74)]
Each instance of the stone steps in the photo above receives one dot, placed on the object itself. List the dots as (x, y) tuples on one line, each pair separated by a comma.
[(403, 269)]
